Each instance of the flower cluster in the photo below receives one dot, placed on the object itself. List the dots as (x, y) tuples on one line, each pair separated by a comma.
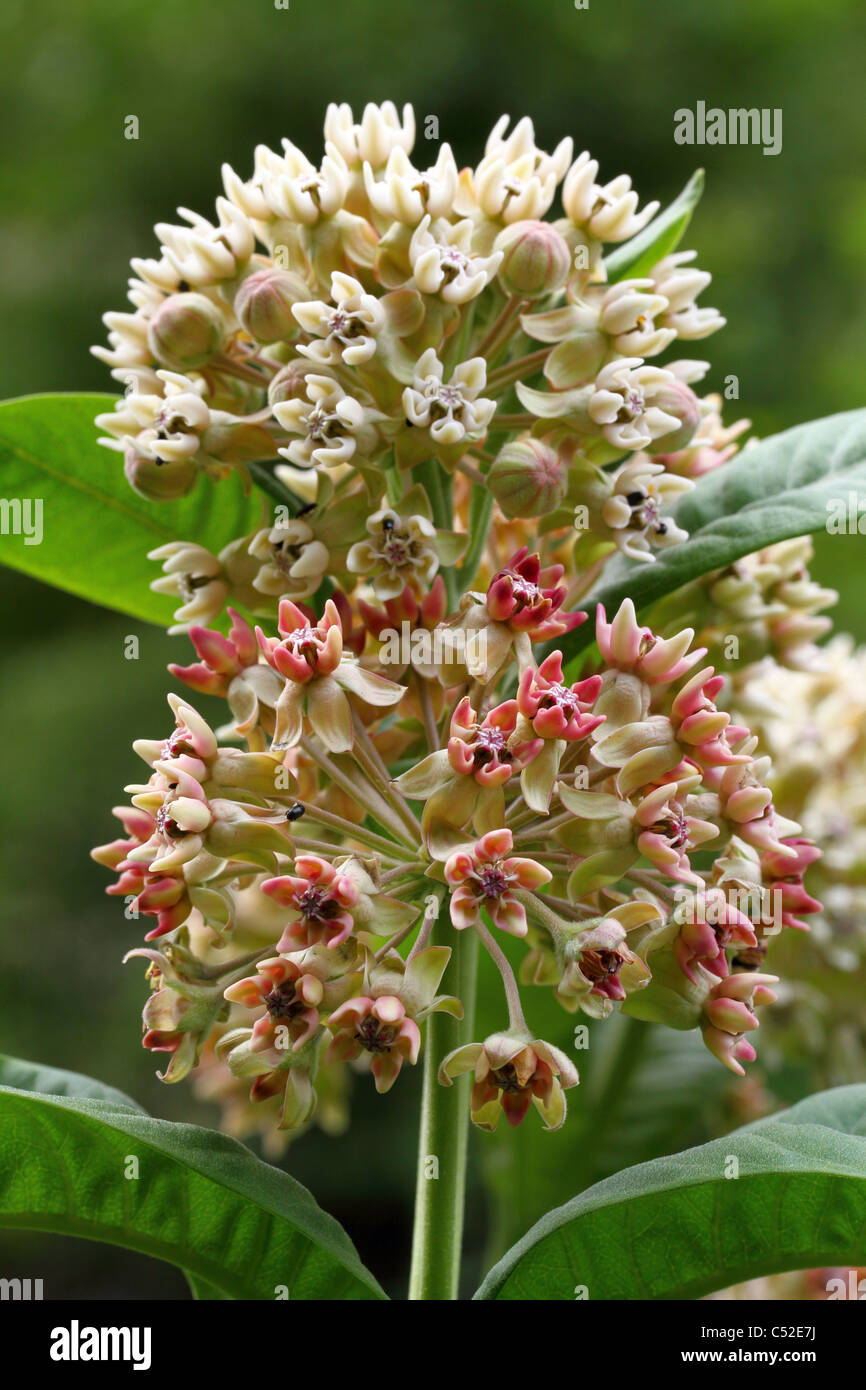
[(455, 413)]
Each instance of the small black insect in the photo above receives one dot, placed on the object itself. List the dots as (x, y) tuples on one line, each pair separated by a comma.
[(295, 812)]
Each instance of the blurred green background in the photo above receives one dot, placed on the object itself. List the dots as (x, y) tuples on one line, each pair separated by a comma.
[(784, 239)]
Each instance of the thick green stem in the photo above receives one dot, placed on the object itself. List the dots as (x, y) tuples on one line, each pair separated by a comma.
[(437, 484), (441, 1184)]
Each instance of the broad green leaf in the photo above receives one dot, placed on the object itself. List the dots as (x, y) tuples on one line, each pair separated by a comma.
[(682, 1226), (773, 490), (634, 258), (96, 530), (53, 1081), (240, 1227)]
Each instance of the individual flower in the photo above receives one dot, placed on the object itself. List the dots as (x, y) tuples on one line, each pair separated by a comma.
[(443, 262), (288, 188), (371, 140), (486, 749), (557, 713), (193, 831), (607, 211), (729, 1015), (600, 322), (406, 628), (294, 561), (487, 876), (515, 180), (706, 731), (631, 648), (399, 551), (746, 802), (319, 899), (464, 782), (598, 968), (344, 330), (511, 1071), (667, 829), (318, 674), (523, 604), (635, 514), (784, 875), (291, 996), (331, 424), (203, 581), (556, 710), (383, 1020), (708, 925), (230, 666), (624, 403), (680, 284), (405, 194), (164, 427), (453, 411), (611, 831), (529, 599), (204, 254), (281, 1073)]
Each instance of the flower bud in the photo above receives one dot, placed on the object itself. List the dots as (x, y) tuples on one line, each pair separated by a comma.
[(290, 382), (159, 480), (264, 302), (527, 478), (536, 261), (677, 399), (185, 332)]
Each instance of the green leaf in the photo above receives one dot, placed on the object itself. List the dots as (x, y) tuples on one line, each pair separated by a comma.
[(96, 530), (634, 258), (53, 1081), (681, 1227), (775, 489), (239, 1227)]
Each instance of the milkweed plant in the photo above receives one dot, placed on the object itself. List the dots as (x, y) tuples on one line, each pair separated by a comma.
[(498, 665)]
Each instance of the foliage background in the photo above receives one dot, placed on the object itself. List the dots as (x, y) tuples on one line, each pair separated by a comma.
[(209, 79)]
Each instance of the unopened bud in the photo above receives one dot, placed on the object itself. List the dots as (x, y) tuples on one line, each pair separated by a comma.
[(185, 332), (290, 382), (527, 478), (537, 260), (679, 400), (264, 302), (159, 480)]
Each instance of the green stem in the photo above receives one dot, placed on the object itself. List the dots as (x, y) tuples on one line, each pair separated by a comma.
[(441, 1185), (437, 484), (480, 512)]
